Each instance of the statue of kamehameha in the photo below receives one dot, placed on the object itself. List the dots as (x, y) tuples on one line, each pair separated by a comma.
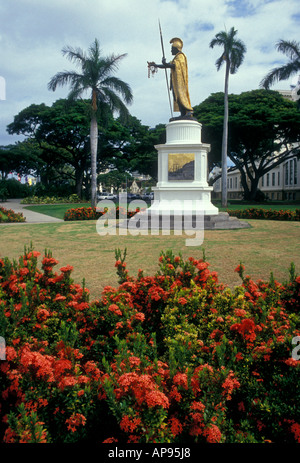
[(179, 79)]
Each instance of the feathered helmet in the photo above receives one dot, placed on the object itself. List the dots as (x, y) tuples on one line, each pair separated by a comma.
[(177, 43)]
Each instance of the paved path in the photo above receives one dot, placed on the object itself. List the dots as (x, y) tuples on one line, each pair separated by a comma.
[(31, 217)]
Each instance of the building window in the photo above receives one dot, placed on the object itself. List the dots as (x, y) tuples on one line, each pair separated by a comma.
[(231, 183), (295, 172), (278, 178), (268, 179), (273, 179), (236, 182), (286, 168), (291, 172), (263, 181)]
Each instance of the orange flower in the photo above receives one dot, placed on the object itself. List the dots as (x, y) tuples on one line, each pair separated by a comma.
[(129, 424)]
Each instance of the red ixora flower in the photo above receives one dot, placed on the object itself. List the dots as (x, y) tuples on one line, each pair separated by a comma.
[(115, 309), (129, 424), (59, 297), (180, 379), (157, 398), (66, 269), (213, 434), (176, 426), (246, 328), (75, 420)]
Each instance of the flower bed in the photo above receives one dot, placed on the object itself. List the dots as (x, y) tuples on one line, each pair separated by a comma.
[(93, 213), (266, 214), (51, 199), (174, 357), (8, 215)]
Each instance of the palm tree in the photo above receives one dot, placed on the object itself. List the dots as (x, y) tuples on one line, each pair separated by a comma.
[(233, 56), (284, 72), (106, 92)]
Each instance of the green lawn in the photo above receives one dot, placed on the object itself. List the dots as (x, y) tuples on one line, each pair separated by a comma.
[(55, 210)]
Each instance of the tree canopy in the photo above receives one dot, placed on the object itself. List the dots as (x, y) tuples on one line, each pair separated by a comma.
[(57, 144), (264, 130)]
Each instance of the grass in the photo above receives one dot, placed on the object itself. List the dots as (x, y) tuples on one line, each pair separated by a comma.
[(269, 246), (55, 210)]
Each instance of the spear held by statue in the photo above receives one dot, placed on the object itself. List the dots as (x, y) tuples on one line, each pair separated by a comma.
[(152, 67)]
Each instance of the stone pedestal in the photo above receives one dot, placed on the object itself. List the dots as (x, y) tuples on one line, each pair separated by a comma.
[(182, 196), (182, 172)]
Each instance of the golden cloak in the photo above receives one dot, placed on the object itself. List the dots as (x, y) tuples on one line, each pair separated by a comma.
[(179, 83)]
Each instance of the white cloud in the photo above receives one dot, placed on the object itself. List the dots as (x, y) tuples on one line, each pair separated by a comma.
[(34, 32)]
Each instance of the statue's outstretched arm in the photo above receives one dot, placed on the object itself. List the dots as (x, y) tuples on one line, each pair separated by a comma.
[(164, 64)]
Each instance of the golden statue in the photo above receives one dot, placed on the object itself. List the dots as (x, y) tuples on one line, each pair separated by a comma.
[(179, 79)]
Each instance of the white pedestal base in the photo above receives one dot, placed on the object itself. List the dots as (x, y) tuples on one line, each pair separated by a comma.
[(182, 172)]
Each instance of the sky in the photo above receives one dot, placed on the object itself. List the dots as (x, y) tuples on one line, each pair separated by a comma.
[(33, 33)]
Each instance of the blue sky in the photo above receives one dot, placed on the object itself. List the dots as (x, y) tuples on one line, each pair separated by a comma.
[(33, 32)]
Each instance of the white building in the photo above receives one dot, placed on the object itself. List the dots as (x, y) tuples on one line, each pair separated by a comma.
[(280, 183)]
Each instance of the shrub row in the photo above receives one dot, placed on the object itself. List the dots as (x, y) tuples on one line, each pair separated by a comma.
[(8, 215), (51, 199), (176, 357), (93, 213), (267, 214)]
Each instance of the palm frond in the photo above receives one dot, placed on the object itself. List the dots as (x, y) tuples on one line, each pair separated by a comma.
[(110, 64), (63, 78), (121, 87), (284, 72), (234, 49), (96, 75), (74, 54), (290, 48), (220, 61), (115, 102)]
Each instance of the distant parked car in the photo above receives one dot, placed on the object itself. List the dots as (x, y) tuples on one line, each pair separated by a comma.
[(105, 195), (148, 196), (102, 195), (132, 196), (112, 196)]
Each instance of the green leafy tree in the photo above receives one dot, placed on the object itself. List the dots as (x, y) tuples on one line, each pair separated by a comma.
[(292, 50), (22, 158), (114, 179), (130, 147), (107, 92), (58, 137), (264, 131), (233, 56)]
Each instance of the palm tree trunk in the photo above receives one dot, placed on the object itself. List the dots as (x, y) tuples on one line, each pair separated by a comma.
[(94, 148), (225, 139)]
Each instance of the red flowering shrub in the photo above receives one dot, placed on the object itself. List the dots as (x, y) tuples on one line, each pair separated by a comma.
[(266, 214), (175, 357), (93, 213), (8, 215)]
